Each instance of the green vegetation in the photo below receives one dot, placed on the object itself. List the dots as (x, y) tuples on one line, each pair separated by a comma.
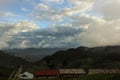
[(101, 77), (88, 77), (57, 79), (5, 73)]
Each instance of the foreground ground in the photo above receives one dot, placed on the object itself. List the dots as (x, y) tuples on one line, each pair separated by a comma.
[(86, 77)]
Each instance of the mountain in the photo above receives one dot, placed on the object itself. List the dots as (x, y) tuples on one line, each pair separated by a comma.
[(10, 61), (33, 54), (83, 57)]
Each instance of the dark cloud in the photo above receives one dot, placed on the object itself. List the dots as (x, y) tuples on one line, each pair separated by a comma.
[(49, 37)]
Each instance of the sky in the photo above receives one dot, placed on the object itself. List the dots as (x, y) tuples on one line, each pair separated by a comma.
[(59, 23)]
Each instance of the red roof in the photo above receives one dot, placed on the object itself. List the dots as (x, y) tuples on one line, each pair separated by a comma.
[(47, 73)]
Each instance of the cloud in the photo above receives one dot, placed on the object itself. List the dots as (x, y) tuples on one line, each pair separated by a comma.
[(53, 1), (23, 44), (50, 12), (3, 44), (9, 30), (83, 20), (24, 9), (76, 23), (78, 6), (5, 14), (5, 2), (46, 12), (25, 26), (110, 9), (97, 29), (100, 33), (50, 37), (40, 7)]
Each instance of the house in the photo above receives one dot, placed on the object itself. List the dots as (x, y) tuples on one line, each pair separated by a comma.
[(71, 72), (47, 73), (26, 75)]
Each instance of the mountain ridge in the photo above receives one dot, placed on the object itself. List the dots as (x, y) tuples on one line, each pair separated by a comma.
[(84, 57), (11, 61)]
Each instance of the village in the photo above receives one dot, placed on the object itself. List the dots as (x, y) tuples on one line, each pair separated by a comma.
[(62, 73)]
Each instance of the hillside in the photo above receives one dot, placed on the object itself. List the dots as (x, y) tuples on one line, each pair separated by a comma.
[(83, 57), (10, 61)]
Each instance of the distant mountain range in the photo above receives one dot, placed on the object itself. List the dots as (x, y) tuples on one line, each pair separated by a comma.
[(83, 57), (33, 54)]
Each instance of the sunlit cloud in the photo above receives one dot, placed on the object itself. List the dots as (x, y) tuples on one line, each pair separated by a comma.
[(65, 23)]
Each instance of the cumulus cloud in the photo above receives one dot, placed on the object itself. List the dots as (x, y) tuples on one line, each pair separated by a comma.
[(57, 13), (46, 12), (25, 26), (76, 23), (110, 9), (100, 33), (98, 30), (8, 30), (50, 37)]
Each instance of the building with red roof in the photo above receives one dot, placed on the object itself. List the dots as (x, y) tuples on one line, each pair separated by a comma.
[(47, 73)]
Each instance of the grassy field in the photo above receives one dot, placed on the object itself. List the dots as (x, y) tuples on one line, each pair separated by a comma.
[(87, 77)]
